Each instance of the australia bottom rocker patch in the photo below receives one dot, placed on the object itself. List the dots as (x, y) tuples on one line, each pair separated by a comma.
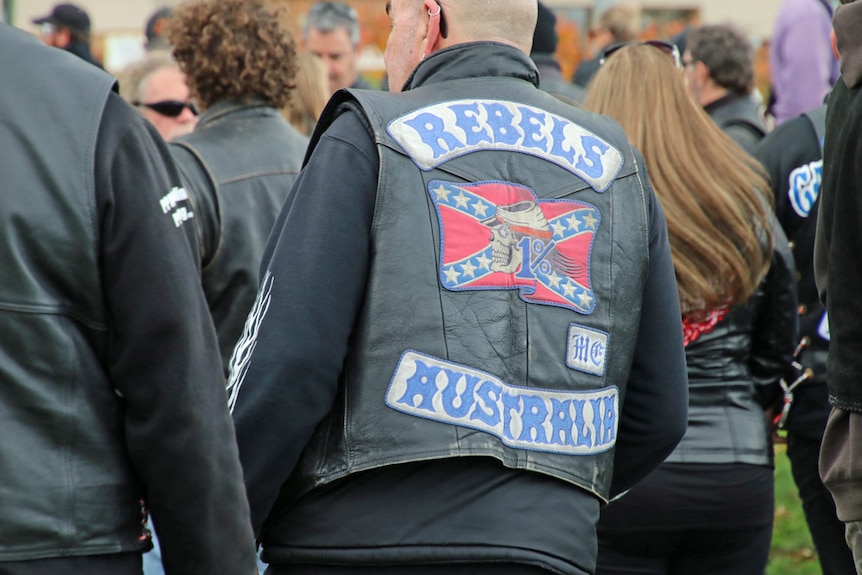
[(499, 235), (549, 420)]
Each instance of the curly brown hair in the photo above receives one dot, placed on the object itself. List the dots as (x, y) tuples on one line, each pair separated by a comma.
[(234, 50)]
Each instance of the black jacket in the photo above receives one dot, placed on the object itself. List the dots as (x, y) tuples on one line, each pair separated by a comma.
[(109, 380), (738, 117), (238, 166), (793, 158), (734, 369)]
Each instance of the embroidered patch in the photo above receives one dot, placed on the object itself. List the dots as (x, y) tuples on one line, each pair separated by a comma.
[(587, 349), (437, 133), (804, 187), (823, 328), (556, 421), (497, 235)]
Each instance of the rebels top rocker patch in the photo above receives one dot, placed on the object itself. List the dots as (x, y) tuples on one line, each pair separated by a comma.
[(498, 235), (437, 133)]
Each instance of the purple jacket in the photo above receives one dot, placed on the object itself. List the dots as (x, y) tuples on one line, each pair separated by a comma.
[(803, 65)]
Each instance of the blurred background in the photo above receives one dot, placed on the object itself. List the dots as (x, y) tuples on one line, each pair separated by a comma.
[(118, 25)]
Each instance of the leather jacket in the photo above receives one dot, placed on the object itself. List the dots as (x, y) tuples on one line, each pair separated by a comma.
[(738, 117), (480, 330), (238, 166), (734, 369)]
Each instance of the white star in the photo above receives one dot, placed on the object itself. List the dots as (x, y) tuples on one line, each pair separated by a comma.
[(554, 280), (451, 275), (585, 298), (484, 262), (461, 200), (480, 208), (591, 221), (568, 289), (442, 193), (559, 228), (469, 269), (574, 223)]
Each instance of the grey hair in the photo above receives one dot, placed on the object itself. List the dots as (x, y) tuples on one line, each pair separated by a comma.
[(329, 16), (133, 77)]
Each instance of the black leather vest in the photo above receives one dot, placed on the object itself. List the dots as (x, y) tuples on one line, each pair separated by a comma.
[(509, 253), (238, 166), (59, 415)]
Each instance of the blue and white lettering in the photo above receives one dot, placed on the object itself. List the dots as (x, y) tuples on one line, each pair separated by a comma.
[(804, 187), (823, 328), (552, 420), (435, 134), (587, 349)]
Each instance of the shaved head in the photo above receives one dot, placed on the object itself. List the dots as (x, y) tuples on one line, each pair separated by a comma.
[(509, 21)]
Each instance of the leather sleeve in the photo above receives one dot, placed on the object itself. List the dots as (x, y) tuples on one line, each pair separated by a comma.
[(776, 322)]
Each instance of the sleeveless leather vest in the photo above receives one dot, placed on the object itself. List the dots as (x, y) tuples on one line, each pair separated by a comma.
[(62, 459), (244, 160), (509, 253)]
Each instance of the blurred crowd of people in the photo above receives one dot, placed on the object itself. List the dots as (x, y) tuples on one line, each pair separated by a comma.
[(258, 314)]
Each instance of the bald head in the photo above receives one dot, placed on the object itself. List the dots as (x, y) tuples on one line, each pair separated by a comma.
[(508, 21)]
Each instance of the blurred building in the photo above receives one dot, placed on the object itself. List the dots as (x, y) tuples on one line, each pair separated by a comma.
[(118, 24)]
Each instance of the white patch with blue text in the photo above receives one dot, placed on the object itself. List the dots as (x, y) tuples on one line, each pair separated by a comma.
[(804, 187), (550, 420), (823, 328), (587, 350), (437, 133)]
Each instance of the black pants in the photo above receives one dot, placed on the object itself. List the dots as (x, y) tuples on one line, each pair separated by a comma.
[(826, 529), (115, 564), (693, 552), (449, 569)]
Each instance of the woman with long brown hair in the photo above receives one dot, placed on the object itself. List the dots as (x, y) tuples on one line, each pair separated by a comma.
[(709, 507)]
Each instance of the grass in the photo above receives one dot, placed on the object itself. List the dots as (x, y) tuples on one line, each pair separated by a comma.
[(792, 550)]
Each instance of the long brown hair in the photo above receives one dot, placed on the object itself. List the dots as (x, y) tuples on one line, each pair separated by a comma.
[(711, 190)]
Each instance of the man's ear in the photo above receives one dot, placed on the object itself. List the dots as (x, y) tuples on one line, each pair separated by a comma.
[(432, 16)]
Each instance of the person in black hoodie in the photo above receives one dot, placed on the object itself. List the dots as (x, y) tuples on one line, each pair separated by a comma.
[(838, 271), (793, 158)]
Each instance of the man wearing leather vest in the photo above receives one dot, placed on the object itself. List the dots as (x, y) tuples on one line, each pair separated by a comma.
[(243, 156), (467, 336), (110, 402)]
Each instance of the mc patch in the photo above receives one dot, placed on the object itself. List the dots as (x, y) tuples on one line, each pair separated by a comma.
[(586, 349), (500, 236)]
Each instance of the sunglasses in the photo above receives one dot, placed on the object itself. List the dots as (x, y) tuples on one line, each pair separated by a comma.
[(169, 108), (667, 47)]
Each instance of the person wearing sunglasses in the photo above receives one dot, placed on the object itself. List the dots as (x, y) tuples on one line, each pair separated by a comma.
[(467, 307), (708, 509), (719, 68), (157, 88)]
